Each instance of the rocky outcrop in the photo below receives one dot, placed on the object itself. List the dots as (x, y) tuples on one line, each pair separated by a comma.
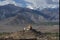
[(28, 33)]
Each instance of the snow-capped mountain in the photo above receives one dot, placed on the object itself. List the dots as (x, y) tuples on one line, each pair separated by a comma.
[(32, 4), (23, 15)]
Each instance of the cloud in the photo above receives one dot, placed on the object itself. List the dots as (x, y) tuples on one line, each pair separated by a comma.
[(43, 3), (4, 2), (32, 4), (20, 3), (55, 0)]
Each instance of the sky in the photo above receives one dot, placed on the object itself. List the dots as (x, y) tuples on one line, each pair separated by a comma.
[(31, 3)]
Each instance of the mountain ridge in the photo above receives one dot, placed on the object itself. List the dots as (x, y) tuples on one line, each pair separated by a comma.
[(27, 15)]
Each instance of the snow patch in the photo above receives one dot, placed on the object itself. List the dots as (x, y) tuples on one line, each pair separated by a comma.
[(30, 7)]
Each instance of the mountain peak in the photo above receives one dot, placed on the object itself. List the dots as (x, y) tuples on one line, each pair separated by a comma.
[(11, 4), (26, 16)]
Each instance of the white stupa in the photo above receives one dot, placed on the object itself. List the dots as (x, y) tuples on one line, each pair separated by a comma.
[(28, 28)]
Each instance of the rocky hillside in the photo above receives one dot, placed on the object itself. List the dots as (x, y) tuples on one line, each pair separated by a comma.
[(14, 15), (52, 12)]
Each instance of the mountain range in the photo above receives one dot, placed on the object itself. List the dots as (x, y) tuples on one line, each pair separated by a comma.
[(14, 15)]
